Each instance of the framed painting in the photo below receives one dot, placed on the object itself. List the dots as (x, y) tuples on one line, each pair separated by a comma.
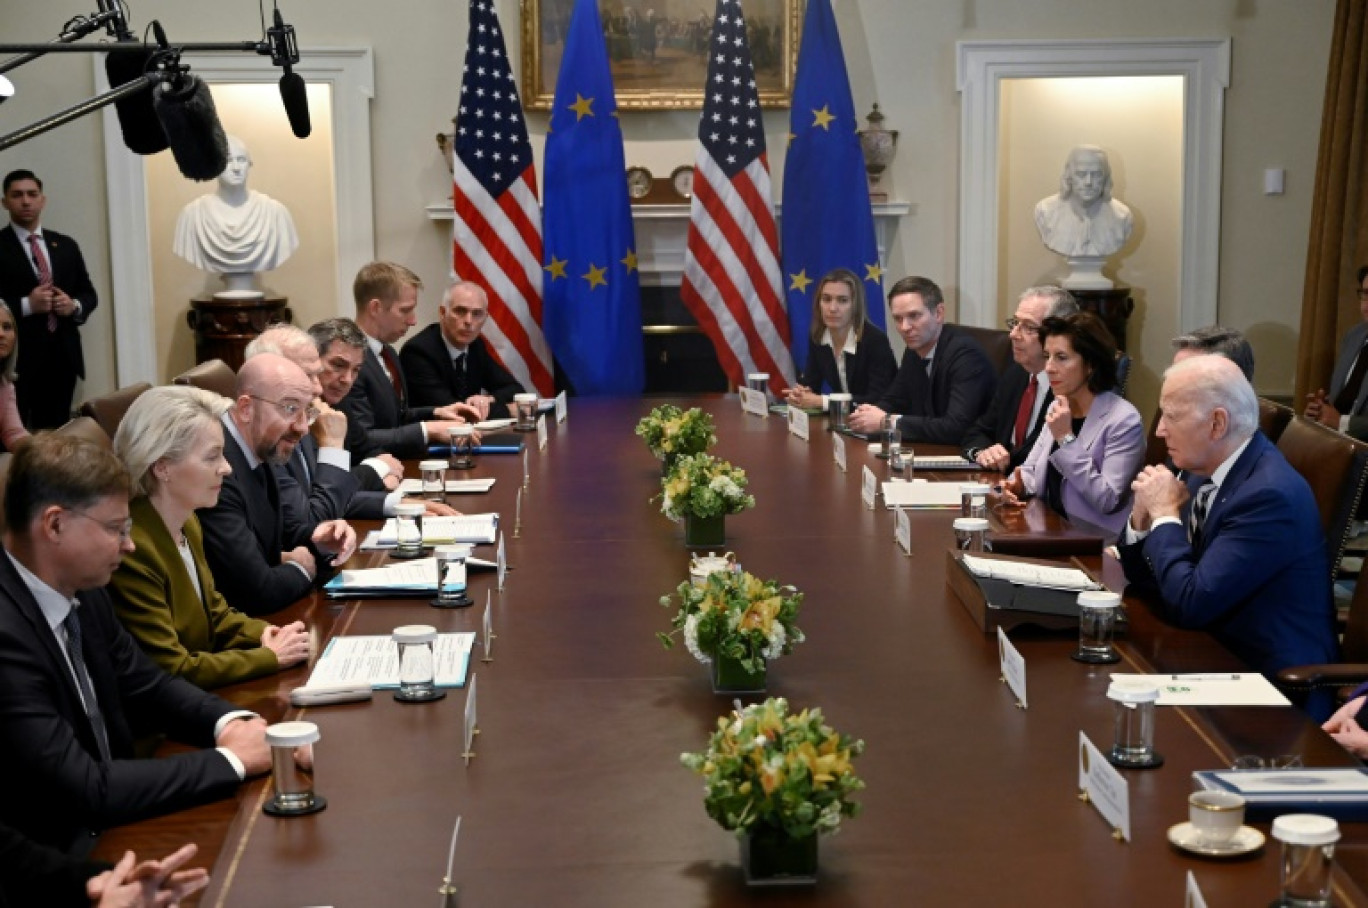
[(658, 49)]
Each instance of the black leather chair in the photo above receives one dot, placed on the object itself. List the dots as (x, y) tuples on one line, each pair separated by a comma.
[(994, 341), (1336, 468)]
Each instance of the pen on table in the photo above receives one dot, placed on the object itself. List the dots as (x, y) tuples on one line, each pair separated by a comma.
[(1206, 677)]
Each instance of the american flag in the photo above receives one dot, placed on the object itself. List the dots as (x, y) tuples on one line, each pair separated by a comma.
[(732, 282), (497, 240)]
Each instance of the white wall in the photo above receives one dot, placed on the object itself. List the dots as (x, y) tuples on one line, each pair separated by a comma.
[(899, 53)]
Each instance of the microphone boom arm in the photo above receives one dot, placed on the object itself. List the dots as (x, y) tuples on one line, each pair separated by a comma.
[(128, 89)]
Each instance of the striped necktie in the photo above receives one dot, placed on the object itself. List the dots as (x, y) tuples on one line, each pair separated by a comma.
[(1200, 505), (40, 264), (72, 625)]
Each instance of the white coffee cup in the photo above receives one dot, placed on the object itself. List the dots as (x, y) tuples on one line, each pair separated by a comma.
[(1215, 816)]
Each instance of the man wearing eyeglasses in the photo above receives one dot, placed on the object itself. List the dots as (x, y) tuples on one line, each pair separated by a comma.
[(75, 688), (1005, 434), (450, 362), (1346, 406), (265, 556)]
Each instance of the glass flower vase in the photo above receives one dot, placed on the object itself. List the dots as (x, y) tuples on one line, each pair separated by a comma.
[(771, 857)]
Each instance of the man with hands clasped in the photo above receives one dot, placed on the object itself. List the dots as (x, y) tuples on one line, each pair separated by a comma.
[(1237, 549)]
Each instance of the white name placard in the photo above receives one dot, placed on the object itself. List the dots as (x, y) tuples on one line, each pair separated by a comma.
[(501, 561), (798, 423), (869, 487), (838, 450), (541, 433), (1104, 786), (753, 402), (1013, 668), (487, 633), (562, 407), (471, 722), (1194, 897), (902, 530)]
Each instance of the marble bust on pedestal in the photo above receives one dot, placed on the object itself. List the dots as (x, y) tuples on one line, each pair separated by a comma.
[(236, 231), (1083, 222)]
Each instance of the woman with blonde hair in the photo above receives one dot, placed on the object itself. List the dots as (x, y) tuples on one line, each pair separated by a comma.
[(12, 428), (171, 441)]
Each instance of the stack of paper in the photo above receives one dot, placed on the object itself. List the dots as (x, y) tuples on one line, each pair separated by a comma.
[(921, 494), (441, 531), (376, 660), (453, 486), (1212, 689), (943, 462), (407, 578), (1026, 574)]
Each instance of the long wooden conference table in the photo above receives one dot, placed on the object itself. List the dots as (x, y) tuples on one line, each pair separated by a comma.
[(576, 796)]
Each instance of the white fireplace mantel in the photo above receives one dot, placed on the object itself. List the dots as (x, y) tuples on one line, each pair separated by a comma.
[(662, 230)]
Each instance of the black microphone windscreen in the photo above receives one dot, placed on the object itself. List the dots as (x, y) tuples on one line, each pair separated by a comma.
[(192, 127), (295, 94), (137, 120)]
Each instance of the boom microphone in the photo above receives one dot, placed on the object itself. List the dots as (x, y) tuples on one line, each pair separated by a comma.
[(295, 95), (137, 120), (186, 111)]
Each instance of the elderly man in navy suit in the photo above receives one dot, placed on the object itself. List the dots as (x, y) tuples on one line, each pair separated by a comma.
[(1237, 550), (43, 278)]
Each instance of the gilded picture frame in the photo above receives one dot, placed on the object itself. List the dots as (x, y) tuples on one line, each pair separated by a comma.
[(657, 50)]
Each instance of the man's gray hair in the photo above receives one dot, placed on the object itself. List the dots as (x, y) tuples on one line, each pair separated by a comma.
[(1222, 341), (336, 329), (1062, 302), (1215, 381), (279, 339)]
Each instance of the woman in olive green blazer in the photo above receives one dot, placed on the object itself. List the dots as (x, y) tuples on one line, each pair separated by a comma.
[(171, 440)]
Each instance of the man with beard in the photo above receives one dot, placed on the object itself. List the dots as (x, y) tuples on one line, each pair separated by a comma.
[(265, 556)]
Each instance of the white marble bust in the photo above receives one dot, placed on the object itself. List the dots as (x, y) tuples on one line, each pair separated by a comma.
[(1083, 220), (235, 231)]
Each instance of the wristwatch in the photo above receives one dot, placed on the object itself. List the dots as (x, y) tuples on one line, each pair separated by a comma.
[(1068, 439)]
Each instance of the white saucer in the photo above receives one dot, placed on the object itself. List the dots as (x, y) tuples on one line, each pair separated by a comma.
[(1245, 841)]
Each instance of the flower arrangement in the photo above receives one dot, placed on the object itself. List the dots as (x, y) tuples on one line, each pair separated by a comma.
[(766, 769), (736, 616), (670, 432), (700, 485)]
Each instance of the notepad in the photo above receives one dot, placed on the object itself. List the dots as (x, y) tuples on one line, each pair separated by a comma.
[(443, 530), (943, 462), (1024, 574), (375, 660), (453, 486), (417, 577), (494, 425), (921, 494)]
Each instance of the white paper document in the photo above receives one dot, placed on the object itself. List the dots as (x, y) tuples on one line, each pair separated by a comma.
[(453, 486), (943, 462), (442, 530), (419, 574), (921, 494), (494, 425), (375, 659), (1024, 574), (1213, 689)]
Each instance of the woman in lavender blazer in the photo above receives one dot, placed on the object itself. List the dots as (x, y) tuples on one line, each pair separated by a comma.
[(1093, 443)]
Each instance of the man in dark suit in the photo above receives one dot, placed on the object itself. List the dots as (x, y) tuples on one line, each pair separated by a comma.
[(317, 482), (1346, 406), (1237, 550), (75, 688), (449, 361), (945, 380), (43, 278), (1003, 436), (386, 296), (265, 556)]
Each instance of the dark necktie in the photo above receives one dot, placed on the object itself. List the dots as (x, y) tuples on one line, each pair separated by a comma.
[(392, 365), (1200, 506), (72, 625), (461, 385), (40, 263), (1024, 411), (1344, 400)]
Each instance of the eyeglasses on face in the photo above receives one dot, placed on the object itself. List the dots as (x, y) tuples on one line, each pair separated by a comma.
[(1015, 323), (291, 410), (121, 528)]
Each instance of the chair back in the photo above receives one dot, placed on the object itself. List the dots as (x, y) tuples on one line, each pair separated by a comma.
[(1273, 418), (87, 428), (1123, 369), (1336, 467), (212, 375), (109, 410), (994, 341)]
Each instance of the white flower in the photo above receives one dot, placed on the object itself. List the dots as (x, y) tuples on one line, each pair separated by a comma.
[(691, 639), (775, 648), (760, 742)]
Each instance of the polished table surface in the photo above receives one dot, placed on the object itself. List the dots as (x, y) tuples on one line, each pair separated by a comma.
[(576, 795)]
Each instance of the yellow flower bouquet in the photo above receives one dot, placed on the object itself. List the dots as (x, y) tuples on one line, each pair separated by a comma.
[(670, 432)]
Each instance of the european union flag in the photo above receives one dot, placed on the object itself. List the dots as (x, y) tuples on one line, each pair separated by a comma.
[(826, 221), (591, 297)]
